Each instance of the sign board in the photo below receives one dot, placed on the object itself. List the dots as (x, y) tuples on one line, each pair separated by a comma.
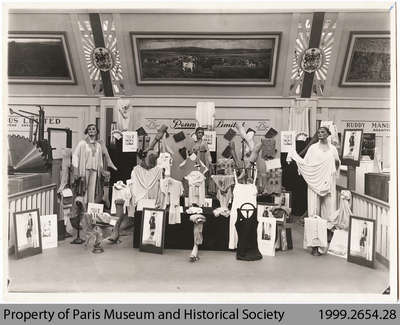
[(221, 126), (211, 138), (129, 141)]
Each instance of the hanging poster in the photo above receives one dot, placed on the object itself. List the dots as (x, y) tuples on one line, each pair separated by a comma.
[(288, 141), (129, 141), (211, 138)]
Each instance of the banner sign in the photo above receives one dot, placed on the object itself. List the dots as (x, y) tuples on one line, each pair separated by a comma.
[(221, 126), (367, 126), (211, 138)]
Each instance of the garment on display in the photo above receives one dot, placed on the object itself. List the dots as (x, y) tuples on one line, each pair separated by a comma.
[(246, 226), (224, 185), (123, 116), (271, 181), (120, 191), (197, 193), (271, 133), (145, 184), (164, 161), (230, 134), (225, 212), (178, 137), (341, 218), (315, 232), (194, 210), (172, 191), (299, 117), (242, 193), (268, 148), (205, 112)]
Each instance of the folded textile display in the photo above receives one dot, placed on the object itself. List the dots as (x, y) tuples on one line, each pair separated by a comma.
[(317, 175), (315, 232)]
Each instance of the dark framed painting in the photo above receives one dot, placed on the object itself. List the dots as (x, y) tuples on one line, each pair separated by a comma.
[(351, 147), (367, 62), (361, 243), (28, 239), (152, 231), (39, 58), (206, 59)]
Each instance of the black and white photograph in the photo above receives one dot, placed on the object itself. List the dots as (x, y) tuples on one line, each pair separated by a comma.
[(351, 148), (152, 231), (27, 233), (361, 241), (162, 120)]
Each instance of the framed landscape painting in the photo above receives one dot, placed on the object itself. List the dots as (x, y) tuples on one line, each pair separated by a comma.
[(367, 61), (208, 59), (39, 58)]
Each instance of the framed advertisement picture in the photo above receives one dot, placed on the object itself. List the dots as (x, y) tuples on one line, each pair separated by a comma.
[(152, 232), (361, 242), (28, 239), (368, 145), (266, 235), (39, 58), (367, 62), (49, 231), (207, 59), (284, 199), (351, 147)]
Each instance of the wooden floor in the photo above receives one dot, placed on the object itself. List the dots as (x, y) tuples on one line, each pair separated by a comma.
[(123, 269)]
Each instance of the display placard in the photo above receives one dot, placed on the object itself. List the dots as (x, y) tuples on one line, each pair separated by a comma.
[(95, 209), (129, 141), (48, 225), (288, 141), (211, 138)]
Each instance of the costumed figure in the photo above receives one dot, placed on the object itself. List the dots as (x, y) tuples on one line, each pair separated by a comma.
[(319, 169), (87, 161)]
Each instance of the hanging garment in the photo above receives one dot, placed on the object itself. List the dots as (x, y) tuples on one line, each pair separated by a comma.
[(315, 232), (164, 161), (196, 188), (201, 150), (120, 192), (298, 118), (268, 148), (123, 114), (246, 226), (271, 181), (172, 190), (224, 188), (341, 218), (205, 112), (145, 184), (242, 193)]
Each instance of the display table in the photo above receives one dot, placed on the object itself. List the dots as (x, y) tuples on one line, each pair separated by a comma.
[(180, 236)]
